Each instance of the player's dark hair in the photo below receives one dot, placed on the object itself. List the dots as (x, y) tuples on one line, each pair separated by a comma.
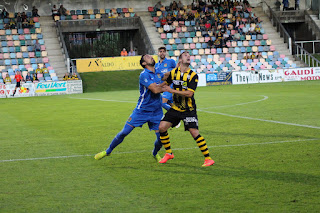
[(162, 48), (142, 60)]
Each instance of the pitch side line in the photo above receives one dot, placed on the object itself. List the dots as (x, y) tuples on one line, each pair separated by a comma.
[(265, 98), (219, 113), (94, 99), (219, 146), (258, 119)]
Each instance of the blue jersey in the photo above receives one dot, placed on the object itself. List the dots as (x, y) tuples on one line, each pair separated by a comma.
[(168, 96), (148, 101), (166, 65)]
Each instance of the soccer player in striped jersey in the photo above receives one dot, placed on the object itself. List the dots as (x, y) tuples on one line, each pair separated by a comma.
[(148, 109), (185, 82)]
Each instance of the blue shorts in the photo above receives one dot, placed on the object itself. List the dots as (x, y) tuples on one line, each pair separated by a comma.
[(168, 96), (138, 118)]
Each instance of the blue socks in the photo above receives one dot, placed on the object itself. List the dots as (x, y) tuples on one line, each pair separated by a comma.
[(166, 106), (157, 144), (119, 138)]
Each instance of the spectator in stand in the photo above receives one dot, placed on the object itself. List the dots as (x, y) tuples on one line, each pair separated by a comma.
[(257, 29), (253, 56), (74, 76), (174, 6), (12, 24), (217, 43), (62, 11), (237, 36), (18, 78), (4, 13), (247, 56), (132, 53), (166, 28), (31, 23), (259, 55), (19, 21), (163, 21), (35, 78), (158, 6), (207, 25), (55, 11), (28, 78), (278, 4), (66, 77), (35, 12), (296, 4), (210, 42), (38, 70), (44, 69), (37, 46), (7, 79), (124, 52), (285, 4), (180, 5)]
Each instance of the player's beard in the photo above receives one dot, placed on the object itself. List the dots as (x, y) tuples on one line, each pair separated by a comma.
[(152, 63)]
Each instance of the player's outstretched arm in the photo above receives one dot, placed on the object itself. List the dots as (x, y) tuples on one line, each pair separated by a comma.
[(155, 88), (187, 93)]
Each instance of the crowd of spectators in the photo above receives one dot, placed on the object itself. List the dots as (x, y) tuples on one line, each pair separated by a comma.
[(214, 18), (19, 20), (69, 76), (124, 52)]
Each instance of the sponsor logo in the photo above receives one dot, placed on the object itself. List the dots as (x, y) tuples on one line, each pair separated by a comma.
[(188, 120)]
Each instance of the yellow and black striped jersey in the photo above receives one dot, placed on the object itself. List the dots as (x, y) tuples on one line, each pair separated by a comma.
[(183, 82)]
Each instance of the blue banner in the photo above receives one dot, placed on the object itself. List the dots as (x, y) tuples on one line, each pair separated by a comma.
[(220, 78)]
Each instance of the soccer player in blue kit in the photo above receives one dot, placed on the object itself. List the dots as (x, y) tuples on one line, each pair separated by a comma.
[(163, 66), (148, 109)]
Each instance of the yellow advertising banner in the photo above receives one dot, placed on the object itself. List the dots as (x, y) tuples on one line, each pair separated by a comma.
[(110, 64)]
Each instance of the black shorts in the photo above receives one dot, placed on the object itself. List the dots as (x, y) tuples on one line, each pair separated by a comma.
[(18, 84), (190, 118)]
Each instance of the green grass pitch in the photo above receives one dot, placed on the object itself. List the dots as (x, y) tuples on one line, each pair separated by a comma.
[(265, 139)]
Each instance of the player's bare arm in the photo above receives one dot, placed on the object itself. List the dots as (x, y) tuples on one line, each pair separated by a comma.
[(186, 93), (156, 88)]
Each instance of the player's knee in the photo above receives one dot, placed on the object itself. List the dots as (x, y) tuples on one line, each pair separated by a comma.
[(194, 132), (162, 128)]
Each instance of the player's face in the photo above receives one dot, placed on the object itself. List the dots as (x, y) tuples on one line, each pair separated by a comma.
[(162, 54), (149, 60), (185, 58)]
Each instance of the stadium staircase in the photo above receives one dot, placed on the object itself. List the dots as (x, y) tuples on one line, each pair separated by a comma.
[(316, 20), (53, 47), (154, 36), (274, 36)]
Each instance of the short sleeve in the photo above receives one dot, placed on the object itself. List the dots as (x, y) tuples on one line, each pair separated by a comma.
[(193, 83), (145, 79), (173, 64)]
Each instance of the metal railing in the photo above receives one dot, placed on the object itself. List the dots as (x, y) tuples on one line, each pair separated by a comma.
[(299, 51), (276, 23), (305, 56), (315, 45), (68, 62), (81, 25), (312, 24)]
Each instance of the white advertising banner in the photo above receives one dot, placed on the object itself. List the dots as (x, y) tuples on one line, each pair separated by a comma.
[(74, 87), (253, 77), (41, 89), (302, 74), (245, 77)]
